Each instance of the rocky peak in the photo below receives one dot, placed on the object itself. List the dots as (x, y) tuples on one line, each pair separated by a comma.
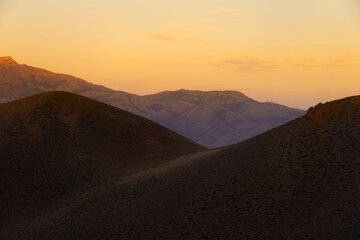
[(7, 61), (335, 111)]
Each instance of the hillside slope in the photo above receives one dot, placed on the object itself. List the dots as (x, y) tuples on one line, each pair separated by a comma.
[(56, 144), (213, 119), (298, 181)]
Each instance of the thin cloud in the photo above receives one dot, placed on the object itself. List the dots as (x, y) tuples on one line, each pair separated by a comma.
[(199, 24), (303, 62), (213, 21), (254, 64), (179, 37), (224, 10), (344, 59), (159, 36), (338, 61), (248, 65), (192, 38)]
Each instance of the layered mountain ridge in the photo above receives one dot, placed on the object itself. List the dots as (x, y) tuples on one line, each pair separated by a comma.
[(213, 119)]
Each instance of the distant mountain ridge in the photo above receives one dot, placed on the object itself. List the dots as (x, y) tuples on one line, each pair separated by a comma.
[(213, 119)]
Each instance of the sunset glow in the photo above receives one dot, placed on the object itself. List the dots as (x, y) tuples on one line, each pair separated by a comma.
[(295, 52)]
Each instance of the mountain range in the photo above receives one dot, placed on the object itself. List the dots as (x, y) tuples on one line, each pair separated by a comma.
[(74, 168), (212, 119)]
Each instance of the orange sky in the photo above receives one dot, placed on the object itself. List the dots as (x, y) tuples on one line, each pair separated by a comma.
[(293, 52)]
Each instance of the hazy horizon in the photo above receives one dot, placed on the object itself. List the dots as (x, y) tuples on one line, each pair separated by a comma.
[(293, 53)]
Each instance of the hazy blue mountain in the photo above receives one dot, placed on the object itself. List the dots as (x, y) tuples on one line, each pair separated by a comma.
[(213, 119)]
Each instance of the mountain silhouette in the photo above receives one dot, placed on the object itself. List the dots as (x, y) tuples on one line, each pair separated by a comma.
[(213, 119), (57, 144), (297, 181)]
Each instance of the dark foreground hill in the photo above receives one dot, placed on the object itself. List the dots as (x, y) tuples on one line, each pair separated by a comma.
[(56, 144), (298, 181), (213, 119)]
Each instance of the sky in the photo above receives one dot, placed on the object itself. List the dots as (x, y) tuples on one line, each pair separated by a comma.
[(297, 53)]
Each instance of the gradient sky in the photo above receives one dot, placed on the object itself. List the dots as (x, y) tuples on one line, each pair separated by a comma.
[(294, 52)]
